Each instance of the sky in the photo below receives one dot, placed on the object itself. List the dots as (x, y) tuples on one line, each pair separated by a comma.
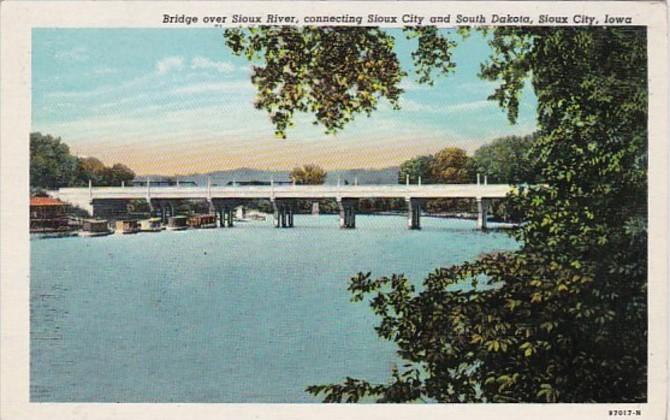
[(177, 102)]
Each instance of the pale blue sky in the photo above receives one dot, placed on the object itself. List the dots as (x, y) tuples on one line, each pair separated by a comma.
[(178, 101)]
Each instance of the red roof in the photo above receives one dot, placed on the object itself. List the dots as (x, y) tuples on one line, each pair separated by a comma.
[(45, 201)]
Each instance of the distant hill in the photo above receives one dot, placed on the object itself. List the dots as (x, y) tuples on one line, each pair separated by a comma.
[(364, 176)]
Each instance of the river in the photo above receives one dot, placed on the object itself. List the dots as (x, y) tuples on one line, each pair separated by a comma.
[(249, 314)]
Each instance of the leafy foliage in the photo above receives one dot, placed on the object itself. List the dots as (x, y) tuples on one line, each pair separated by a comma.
[(52, 166), (564, 318), (308, 174), (451, 165), (507, 160), (416, 168), (333, 73)]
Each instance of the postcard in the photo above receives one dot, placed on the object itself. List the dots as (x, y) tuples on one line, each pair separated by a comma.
[(347, 210)]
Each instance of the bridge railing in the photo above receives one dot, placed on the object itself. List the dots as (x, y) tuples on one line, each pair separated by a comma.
[(294, 191)]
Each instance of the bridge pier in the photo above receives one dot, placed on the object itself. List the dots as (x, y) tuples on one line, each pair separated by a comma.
[(347, 207), (225, 211), (166, 208), (414, 213), (282, 213), (482, 213), (109, 208), (227, 217)]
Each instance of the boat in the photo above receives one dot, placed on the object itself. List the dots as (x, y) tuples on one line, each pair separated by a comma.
[(250, 216), (177, 223), (151, 225), (94, 227), (55, 234), (125, 227), (202, 221)]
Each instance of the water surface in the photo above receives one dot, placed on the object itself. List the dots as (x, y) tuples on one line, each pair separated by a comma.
[(249, 314)]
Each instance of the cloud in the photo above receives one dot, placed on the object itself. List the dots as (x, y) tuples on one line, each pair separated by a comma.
[(218, 87), (410, 105), (468, 106), (203, 63), (409, 85), (74, 54), (168, 64)]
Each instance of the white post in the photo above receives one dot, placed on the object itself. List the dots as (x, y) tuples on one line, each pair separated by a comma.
[(486, 181), (272, 197), (294, 182), (233, 182), (149, 191), (338, 181), (477, 178), (407, 180), (209, 188), (419, 181), (482, 207), (355, 180), (90, 189), (123, 184), (177, 182)]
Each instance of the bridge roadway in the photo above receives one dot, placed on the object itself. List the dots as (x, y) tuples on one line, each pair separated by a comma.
[(224, 198)]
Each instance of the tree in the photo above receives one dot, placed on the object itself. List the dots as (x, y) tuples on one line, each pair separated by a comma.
[(51, 164), (415, 168), (451, 165), (332, 73), (566, 313), (92, 169), (309, 174), (507, 160), (119, 173)]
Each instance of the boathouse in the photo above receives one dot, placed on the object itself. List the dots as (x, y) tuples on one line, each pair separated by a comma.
[(48, 215), (202, 221)]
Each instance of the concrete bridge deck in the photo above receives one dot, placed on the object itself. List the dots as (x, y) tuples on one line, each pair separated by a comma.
[(224, 197), (477, 191)]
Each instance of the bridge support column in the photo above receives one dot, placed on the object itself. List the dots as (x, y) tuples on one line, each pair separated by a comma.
[(228, 214), (482, 213), (347, 207), (225, 211), (112, 208), (219, 216), (414, 213), (276, 214), (283, 211)]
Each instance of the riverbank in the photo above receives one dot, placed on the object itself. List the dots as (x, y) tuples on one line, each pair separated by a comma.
[(260, 218)]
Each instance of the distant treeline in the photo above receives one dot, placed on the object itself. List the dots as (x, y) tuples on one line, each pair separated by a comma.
[(53, 166), (505, 160)]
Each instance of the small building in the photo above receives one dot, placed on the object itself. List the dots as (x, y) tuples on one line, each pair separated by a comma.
[(202, 221), (177, 223), (94, 227), (48, 215), (127, 226)]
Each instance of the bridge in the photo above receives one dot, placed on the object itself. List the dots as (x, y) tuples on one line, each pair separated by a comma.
[(223, 199)]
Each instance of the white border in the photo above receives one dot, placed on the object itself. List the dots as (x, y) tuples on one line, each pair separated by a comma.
[(17, 20)]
